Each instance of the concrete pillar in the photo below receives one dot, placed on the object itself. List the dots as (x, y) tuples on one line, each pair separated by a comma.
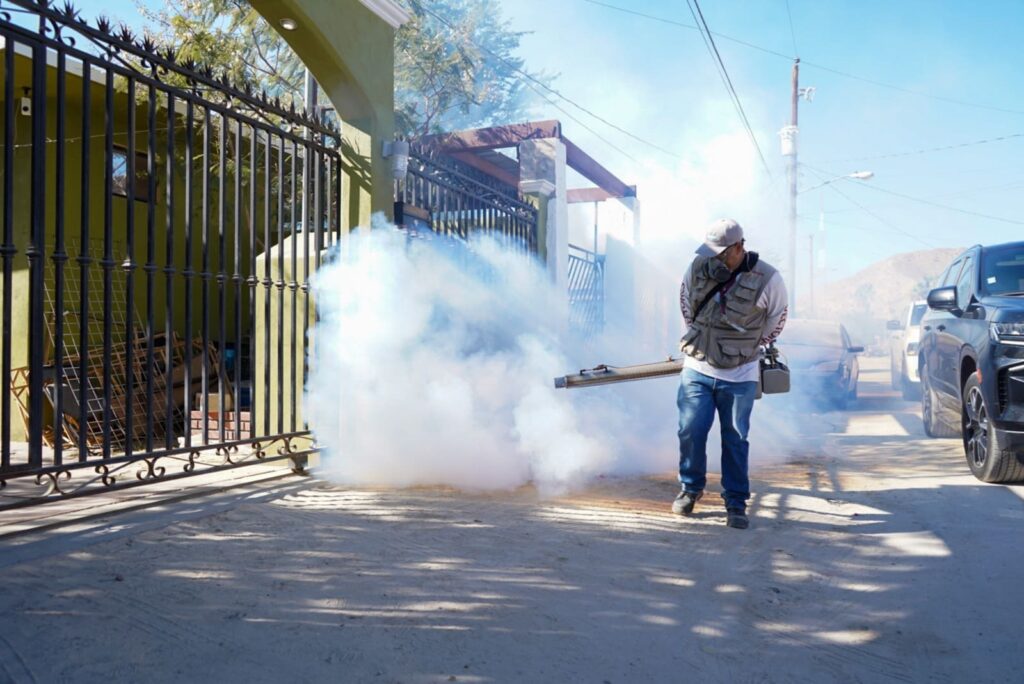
[(542, 170), (349, 46), (289, 364)]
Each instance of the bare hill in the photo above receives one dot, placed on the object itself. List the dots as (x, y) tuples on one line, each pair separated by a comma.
[(883, 290)]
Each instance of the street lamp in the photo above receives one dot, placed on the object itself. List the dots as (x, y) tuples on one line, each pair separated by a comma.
[(856, 175)]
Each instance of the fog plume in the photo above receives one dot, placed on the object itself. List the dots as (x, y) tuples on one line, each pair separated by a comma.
[(433, 365)]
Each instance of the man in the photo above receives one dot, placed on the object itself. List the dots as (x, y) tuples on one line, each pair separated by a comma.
[(733, 303)]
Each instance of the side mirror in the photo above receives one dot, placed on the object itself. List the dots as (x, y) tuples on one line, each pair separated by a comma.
[(893, 325), (855, 350), (943, 299)]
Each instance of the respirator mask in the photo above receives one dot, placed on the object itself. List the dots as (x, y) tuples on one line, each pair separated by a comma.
[(717, 270)]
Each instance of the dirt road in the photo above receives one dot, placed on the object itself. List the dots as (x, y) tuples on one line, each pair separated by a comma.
[(877, 558)]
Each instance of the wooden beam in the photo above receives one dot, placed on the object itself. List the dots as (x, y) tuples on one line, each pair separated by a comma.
[(588, 167), (492, 138), (487, 167), (581, 195)]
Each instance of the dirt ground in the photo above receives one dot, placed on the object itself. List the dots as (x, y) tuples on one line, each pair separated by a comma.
[(878, 558)]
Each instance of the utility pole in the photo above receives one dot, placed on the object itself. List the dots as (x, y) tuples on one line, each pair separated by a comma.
[(794, 132)]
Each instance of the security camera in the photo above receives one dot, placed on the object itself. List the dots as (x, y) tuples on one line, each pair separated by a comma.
[(25, 106)]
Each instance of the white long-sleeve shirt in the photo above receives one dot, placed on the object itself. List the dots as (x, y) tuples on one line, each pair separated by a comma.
[(773, 299)]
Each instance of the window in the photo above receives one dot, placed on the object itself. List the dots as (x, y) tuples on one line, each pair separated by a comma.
[(1003, 270), (949, 277), (918, 313), (119, 174), (965, 286)]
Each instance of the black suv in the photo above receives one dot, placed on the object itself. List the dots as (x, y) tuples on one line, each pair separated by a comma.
[(972, 359)]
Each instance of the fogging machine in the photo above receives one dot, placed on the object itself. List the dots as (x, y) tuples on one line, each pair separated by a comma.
[(774, 375)]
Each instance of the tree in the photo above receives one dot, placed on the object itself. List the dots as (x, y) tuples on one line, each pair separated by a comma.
[(455, 67), (231, 38), (455, 63)]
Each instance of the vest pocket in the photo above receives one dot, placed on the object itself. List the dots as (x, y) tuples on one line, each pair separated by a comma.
[(737, 350)]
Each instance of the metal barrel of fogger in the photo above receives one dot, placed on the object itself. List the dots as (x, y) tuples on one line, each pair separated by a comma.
[(606, 375)]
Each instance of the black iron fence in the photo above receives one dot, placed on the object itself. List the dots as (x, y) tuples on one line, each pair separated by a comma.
[(450, 198), (586, 291), (159, 227)]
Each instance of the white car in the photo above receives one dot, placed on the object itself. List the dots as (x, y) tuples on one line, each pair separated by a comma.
[(904, 337)]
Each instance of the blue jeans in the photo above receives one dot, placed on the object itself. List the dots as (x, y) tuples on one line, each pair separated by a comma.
[(698, 399)]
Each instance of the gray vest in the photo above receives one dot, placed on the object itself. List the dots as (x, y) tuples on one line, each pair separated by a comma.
[(727, 332)]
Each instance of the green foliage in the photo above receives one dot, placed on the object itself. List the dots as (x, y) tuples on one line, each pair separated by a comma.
[(455, 63), (233, 39), (455, 67)]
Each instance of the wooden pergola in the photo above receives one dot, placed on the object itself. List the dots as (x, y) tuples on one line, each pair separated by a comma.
[(478, 148)]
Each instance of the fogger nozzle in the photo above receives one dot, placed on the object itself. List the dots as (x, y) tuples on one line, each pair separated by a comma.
[(606, 375)]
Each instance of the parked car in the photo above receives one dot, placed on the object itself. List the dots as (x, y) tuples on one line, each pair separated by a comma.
[(822, 360), (972, 359), (904, 338)]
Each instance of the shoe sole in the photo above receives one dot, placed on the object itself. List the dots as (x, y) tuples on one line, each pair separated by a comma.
[(685, 510)]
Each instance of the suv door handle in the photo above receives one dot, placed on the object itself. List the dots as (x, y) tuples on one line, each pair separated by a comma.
[(927, 327), (941, 328)]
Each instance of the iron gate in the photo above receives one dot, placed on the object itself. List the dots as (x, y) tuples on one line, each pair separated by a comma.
[(159, 229), (586, 291), (450, 198)]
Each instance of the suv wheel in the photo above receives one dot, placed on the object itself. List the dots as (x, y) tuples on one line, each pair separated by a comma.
[(933, 427), (985, 455)]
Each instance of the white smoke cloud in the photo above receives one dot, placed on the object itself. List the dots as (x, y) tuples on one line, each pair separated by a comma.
[(434, 365), (434, 362)]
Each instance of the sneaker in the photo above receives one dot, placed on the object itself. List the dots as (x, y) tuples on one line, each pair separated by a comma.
[(684, 503), (737, 518)]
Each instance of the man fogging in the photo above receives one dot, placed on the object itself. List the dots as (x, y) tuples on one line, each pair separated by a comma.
[(733, 303)]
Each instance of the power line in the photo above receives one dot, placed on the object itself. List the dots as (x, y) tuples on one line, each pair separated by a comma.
[(792, 33), (878, 218), (961, 193), (822, 67), (944, 148), (945, 206), (530, 78), (692, 27), (928, 202), (901, 89), (723, 73), (541, 95)]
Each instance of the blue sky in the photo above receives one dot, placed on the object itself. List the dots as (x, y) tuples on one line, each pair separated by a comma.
[(658, 82)]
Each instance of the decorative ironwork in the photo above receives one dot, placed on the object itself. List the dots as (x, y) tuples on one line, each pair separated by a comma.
[(145, 300), (586, 291), (103, 471), (119, 46), (451, 198), (53, 477)]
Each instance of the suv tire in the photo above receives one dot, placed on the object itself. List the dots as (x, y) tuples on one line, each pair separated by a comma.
[(933, 427), (986, 458)]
